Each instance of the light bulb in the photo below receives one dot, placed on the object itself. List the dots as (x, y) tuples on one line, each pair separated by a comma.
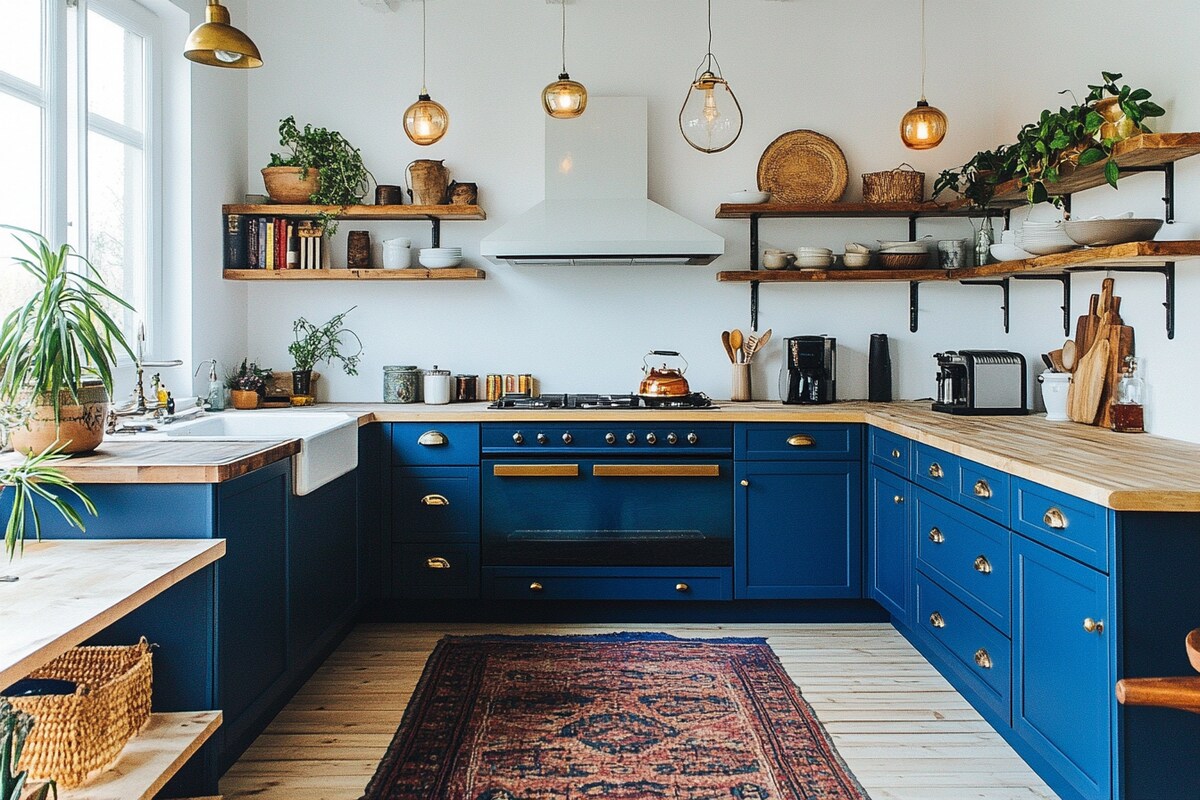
[(711, 112), (923, 127), (228, 56)]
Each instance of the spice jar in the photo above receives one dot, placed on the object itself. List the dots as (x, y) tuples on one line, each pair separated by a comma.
[(437, 386), (464, 388), (401, 384)]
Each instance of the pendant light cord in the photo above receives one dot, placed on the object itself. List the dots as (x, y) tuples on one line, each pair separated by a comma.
[(424, 88), (564, 35), (710, 55), (922, 48)]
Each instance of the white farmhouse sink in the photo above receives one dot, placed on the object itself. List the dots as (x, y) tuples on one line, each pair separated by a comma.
[(328, 442)]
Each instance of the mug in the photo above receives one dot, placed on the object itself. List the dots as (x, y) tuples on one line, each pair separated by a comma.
[(952, 253), (388, 195)]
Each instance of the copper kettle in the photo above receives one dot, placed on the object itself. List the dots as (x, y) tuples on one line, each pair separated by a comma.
[(663, 381)]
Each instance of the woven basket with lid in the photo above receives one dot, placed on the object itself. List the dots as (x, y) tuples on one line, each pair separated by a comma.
[(897, 185)]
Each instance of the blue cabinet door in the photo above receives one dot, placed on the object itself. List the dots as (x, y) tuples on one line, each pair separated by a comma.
[(1062, 681), (889, 544), (797, 530)]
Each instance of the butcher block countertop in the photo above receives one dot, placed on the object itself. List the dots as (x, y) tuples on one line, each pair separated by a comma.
[(1126, 472)]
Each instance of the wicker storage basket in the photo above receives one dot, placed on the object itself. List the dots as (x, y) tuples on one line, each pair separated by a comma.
[(78, 733), (894, 186), (903, 260)]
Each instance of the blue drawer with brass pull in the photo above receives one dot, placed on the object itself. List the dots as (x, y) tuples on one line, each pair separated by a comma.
[(984, 490), (599, 583), (435, 443), (435, 571), (786, 442), (936, 470), (435, 504), (891, 451), (1062, 522)]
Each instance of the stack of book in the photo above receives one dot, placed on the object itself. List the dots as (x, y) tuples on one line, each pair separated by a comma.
[(258, 242)]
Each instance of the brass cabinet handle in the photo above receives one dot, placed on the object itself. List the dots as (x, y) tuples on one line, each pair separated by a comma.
[(982, 659), (432, 439), (1093, 625), (801, 440), (982, 489), (535, 587), (937, 620), (898, 499), (682, 587), (656, 470), (935, 470), (895, 454), (535, 470), (982, 565), (437, 562), (434, 500), (936, 536), (1054, 518), (744, 482)]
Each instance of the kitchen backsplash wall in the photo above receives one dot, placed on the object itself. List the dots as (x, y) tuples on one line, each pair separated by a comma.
[(848, 70)]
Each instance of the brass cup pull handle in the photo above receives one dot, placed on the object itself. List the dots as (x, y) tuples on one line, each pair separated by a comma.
[(682, 587), (895, 454), (898, 499), (434, 500), (936, 536), (536, 587), (982, 489), (801, 440), (983, 659), (936, 471), (983, 566), (432, 439), (1093, 625), (1054, 519), (937, 620), (437, 562), (744, 482)]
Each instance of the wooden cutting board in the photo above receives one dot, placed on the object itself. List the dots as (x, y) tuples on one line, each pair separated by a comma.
[(1083, 400), (1120, 345), (1085, 328)]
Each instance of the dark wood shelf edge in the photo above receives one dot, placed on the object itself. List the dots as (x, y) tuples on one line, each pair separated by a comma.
[(411, 274), (957, 208), (442, 212)]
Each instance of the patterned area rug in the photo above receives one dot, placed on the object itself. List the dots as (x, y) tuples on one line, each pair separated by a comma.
[(617, 716)]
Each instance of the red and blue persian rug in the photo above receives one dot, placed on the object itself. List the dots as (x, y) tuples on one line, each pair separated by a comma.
[(616, 716)]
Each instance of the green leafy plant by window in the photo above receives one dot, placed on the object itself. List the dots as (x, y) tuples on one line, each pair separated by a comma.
[(345, 180), (315, 344)]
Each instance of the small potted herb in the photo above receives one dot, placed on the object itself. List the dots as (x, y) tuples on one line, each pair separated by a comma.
[(320, 343), (247, 385)]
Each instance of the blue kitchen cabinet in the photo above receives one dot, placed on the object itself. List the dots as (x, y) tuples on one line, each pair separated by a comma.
[(890, 577)]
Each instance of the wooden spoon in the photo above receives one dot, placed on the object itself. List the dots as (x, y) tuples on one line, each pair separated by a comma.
[(762, 340), (750, 347), (1069, 355), (1056, 361), (726, 341), (735, 341)]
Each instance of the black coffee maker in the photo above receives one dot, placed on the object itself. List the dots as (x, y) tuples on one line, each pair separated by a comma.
[(809, 373)]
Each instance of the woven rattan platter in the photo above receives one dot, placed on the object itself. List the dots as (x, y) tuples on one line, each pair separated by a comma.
[(803, 167)]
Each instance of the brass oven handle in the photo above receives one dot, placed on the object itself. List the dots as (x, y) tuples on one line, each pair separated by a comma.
[(982, 489), (656, 470), (983, 659), (437, 562), (983, 566), (432, 439), (935, 470), (801, 440), (535, 470), (1054, 518), (535, 587), (936, 536), (682, 587), (937, 620), (434, 500)]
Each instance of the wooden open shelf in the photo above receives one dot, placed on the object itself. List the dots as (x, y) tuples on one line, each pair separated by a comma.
[(831, 276), (359, 212), (418, 274), (958, 208)]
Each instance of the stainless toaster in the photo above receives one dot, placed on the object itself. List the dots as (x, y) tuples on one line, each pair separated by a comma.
[(981, 382)]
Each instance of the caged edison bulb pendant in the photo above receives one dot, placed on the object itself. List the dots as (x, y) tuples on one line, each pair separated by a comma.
[(565, 98), (426, 120), (924, 126), (711, 117)]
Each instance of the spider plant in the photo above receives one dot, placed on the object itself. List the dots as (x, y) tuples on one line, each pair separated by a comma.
[(14, 730), (38, 479)]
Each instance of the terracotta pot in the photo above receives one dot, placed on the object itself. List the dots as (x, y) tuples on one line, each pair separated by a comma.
[(80, 427), (285, 184), (1116, 125), (245, 400)]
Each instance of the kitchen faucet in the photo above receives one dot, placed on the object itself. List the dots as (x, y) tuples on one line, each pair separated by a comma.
[(138, 406)]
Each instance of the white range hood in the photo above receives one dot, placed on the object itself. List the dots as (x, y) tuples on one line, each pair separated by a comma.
[(596, 211)]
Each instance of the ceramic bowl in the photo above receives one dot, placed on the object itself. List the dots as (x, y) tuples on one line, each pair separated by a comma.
[(814, 262), (775, 260), (1009, 252), (1101, 232), (857, 247), (747, 196), (438, 260), (856, 260)]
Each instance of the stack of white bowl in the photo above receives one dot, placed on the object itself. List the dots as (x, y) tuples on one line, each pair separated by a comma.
[(1044, 237), (814, 258), (437, 257)]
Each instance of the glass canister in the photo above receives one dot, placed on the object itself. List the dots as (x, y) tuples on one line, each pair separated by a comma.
[(465, 388), (437, 386), (401, 384)]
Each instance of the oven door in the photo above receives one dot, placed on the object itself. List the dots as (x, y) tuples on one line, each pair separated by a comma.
[(609, 512)]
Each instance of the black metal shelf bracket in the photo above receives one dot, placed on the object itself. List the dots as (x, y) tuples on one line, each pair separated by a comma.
[(754, 268), (1168, 171), (1003, 283), (1065, 279), (436, 236), (1168, 273), (914, 290)]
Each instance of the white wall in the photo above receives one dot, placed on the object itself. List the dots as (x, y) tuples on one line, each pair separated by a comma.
[(848, 70)]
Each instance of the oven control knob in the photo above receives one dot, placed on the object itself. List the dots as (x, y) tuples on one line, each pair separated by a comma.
[(518, 438), (651, 438), (567, 438), (672, 438), (631, 438), (542, 438), (693, 438), (610, 437)]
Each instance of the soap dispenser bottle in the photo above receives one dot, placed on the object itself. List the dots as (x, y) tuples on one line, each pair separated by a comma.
[(216, 388)]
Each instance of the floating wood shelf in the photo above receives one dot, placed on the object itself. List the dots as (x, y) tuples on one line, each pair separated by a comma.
[(448, 274), (832, 276), (958, 208), (424, 213)]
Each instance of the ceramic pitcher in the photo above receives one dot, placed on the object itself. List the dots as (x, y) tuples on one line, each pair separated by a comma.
[(429, 180)]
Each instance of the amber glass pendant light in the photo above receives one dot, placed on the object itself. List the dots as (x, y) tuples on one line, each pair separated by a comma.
[(426, 120), (711, 117), (565, 98), (218, 44), (924, 126)]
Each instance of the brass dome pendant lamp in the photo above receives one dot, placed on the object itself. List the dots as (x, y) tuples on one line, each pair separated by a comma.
[(426, 120), (924, 126), (711, 117), (218, 44), (565, 98)]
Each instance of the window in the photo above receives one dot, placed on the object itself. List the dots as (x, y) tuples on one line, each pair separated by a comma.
[(78, 115)]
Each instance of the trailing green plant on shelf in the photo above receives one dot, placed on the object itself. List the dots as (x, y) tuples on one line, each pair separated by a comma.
[(323, 343), (978, 178), (15, 726), (344, 179)]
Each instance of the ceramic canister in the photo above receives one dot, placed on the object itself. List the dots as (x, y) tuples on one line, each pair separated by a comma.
[(401, 384), (1054, 394), (437, 386)]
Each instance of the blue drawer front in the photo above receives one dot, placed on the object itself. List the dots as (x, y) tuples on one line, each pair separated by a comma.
[(435, 571), (981, 654), (892, 451), (968, 553), (936, 470), (1062, 522), (649, 583), (985, 491), (665, 439), (435, 443), (435, 504), (784, 442)]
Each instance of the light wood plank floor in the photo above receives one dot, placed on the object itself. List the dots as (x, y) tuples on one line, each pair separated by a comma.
[(903, 730)]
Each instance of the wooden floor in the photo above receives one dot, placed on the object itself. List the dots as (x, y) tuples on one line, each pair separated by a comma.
[(904, 732)]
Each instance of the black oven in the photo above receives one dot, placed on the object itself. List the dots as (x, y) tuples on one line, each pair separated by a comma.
[(600, 494)]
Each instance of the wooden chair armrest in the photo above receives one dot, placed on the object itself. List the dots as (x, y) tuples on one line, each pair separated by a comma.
[(1181, 693)]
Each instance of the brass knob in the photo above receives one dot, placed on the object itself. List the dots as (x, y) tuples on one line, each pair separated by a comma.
[(535, 587), (982, 565), (434, 500), (1093, 625), (631, 438), (437, 562), (692, 438), (568, 438), (895, 454), (542, 438), (982, 489), (610, 437), (518, 438), (672, 438), (682, 587), (898, 499), (745, 482), (982, 659), (1054, 519), (935, 470), (651, 438), (432, 439), (937, 620), (801, 440), (936, 536)]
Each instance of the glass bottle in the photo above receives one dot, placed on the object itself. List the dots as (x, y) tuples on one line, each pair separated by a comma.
[(985, 237), (1129, 405)]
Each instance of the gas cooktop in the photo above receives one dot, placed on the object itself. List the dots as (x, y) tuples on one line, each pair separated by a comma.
[(603, 401)]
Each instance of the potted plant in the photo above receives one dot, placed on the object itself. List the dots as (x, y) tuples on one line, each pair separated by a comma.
[(14, 730), (318, 166), (978, 178), (57, 350), (320, 343), (247, 385), (1122, 110)]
